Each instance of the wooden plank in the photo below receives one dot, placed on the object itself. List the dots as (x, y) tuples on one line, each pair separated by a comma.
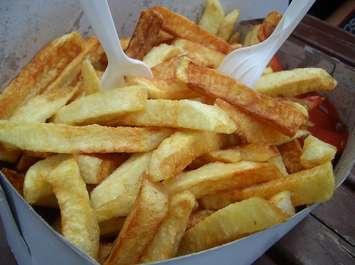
[(312, 243)]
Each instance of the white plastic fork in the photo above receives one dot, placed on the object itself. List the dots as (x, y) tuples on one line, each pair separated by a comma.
[(119, 64), (247, 64)]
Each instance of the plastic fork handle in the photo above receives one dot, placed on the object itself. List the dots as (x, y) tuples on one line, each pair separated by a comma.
[(99, 15)]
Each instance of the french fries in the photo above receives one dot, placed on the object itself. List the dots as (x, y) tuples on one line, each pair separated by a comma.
[(166, 241), (197, 217), (283, 201), (232, 222), (179, 150), (316, 152), (115, 195), (226, 27), (212, 17), (218, 176), (161, 53), (279, 163), (140, 226), (91, 82), (307, 186), (295, 82), (291, 155), (79, 224), (60, 138), (103, 107), (111, 227)]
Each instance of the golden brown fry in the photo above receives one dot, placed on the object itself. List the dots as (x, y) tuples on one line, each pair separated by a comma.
[(79, 224), (115, 195), (184, 28), (111, 227), (61, 138), (253, 131), (15, 178), (306, 187), (167, 239), (218, 176), (179, 150), (269, 24), (197, 217), (103, 107), (282, 200), (164, 37), (278, 113), (91, 82), (226, 27), (316, 152), (140, 226), (290, 83), (145, 34), (230, 223), (161, 53), (212, 16), (291, 155)]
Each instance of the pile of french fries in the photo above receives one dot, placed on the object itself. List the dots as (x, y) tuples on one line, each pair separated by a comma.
[(169, 166)]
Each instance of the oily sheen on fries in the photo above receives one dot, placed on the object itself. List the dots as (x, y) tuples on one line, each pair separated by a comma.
[(60, 138), (306, 187), (140, 226)]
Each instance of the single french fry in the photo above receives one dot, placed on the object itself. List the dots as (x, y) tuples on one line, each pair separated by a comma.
[(184, 28), (290, 83), (103, 107), (254, 131), (218, 176), (91, 82), (111, 227), (268, 25), (230, 223), (291, 155), (167, 239), (61, 138), (316, 152), (307, 186), (280, 114), (197, 217), (15, 178), (140, 226), (179, 150), (212, 16), (226, 27), (79, 224), (282, 200), (115, 195), (161, 53), (183, 113)]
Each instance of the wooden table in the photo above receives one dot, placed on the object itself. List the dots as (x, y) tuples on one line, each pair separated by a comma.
[(327, 236)]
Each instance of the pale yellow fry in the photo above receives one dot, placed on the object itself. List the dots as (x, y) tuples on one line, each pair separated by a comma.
[(282, 200), (140, 226), (60, 138), (316, 152), (230, 223), (111, 227), (295, 82), (307, 186), (178, 151), (41, 107), (90, 82), (226, 27), (166, 241), (218, 176), (115, 195), (186, 114), (103, 107), (212, 17), (199, 53), (161, 53), (79, 224), (279, 163)]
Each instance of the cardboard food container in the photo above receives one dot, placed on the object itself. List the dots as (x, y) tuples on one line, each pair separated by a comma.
[(29, 25)]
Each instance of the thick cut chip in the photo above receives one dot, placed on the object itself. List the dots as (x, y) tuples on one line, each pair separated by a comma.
[(103, 107), (41, 107), (179, 150), (316, 152), (281, 114), (115, 195), (161, 53), (295, 82), (166, 241), (111, 227), (145, 35), (226, 27), (91, 82), (307, 186), (218, 176), (282, 200), (44, 68), (291, 155), (183, 113), (200, 54), (61, 138), (15, 178), (212, 16), (230, 223), (184, 28), (198, 216), (140, 226), (79, 224)]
